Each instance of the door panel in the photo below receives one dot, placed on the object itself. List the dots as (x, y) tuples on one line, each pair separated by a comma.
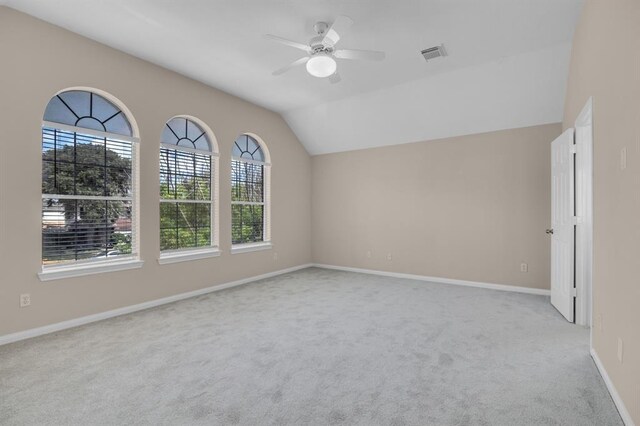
[(563, 224)]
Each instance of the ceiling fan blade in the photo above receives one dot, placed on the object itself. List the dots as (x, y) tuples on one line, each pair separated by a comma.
[(287, 42), (291, 65), (371, 55), (334, 78), (339, 27)]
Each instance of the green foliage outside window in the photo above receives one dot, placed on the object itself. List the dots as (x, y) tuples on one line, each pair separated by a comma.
[(185, 191), (247, 202), (184, 225), (247, 223), (88, 167), (86, 170)]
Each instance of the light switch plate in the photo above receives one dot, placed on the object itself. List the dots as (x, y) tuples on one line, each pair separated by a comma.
[(620, 350)]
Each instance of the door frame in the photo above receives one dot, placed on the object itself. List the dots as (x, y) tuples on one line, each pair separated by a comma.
[(584, 212)]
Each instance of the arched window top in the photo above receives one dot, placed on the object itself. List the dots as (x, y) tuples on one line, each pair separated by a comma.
[(248, 148), (186, 133), (81, 108)]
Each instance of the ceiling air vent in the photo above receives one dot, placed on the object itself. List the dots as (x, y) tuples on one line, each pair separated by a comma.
[(434, 52)]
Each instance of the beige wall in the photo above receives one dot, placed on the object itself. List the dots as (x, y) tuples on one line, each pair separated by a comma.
[(605, 64), (37, 60), (471, 207)]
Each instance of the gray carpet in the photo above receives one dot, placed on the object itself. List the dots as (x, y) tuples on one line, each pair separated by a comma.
[(314, 347)]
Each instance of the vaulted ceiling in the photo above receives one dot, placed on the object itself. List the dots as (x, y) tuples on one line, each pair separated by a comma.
[(507, 64)]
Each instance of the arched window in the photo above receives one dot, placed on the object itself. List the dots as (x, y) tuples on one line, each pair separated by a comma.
[(250, 192), (188, 188), (89, 178)]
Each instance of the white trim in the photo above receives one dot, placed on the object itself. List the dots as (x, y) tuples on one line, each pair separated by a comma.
[(617, 400), (585, 118), (175, 256), (34, 332), (246, 248), (190, 150), (135, 204), (90, 132), (215, 201), (85, 197), (185, 201), (250, 161), (248, 203), (501, 287), (266, 210), (80, 270)]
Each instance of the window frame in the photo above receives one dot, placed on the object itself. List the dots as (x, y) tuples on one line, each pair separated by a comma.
[(213, 250), (98, 265), (266, 242)]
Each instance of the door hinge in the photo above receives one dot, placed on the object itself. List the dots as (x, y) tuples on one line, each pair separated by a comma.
[(575, 220), (573, 149), (574, 292)]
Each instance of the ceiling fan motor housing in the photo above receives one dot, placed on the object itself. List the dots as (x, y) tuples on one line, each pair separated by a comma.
[(320, 27), (316, 43)]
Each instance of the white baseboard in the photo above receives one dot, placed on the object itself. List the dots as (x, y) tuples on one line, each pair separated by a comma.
[(39, 331), (622, 409), (501, 287)]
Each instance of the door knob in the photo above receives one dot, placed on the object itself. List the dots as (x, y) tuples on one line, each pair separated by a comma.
[(549, 231)]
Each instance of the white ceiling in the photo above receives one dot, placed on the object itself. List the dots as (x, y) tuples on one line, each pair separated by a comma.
[(507, 64)]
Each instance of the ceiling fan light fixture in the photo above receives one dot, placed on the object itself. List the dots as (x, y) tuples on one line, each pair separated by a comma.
[(321, 66)]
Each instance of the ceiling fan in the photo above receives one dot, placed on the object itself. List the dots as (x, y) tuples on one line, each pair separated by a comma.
[(321, 52)]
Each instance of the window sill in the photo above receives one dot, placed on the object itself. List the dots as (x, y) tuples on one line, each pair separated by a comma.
[(245, 248), (187, 255), (61, 272)]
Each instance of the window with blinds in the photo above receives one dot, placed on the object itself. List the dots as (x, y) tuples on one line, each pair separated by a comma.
[(249, 192), (88, 206), (187, 191)]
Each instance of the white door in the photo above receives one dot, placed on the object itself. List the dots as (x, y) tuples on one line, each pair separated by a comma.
[(584, 211), (563, 225)]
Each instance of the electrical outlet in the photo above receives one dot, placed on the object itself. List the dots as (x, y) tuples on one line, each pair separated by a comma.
[(389, 257), (623, 158), (369, 255), (25, 300), (620, 350), (524, 267)]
